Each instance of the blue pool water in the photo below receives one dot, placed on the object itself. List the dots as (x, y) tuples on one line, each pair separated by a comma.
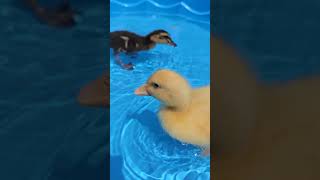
[(44, 133), (139, 148)]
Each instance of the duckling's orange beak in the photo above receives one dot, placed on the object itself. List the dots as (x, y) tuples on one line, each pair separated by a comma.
[(142, 91)]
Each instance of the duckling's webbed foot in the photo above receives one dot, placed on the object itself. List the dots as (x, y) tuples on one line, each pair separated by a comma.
[(128, 66)]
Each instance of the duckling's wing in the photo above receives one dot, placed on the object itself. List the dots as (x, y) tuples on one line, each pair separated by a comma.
[(134, 45), (126, 41)]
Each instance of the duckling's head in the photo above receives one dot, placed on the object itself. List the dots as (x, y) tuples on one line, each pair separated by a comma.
[(161, 37), (168, 87)]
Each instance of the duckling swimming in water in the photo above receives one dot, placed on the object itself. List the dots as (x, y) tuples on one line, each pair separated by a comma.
[(185, 114), (129, 43)]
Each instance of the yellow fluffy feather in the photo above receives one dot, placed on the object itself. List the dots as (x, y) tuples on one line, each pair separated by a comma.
[(185, 112)]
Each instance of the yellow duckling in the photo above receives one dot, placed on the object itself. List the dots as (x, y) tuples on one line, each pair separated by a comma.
[(185, 112)]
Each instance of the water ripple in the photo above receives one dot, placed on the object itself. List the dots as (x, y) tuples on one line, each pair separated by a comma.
[(152, 154), (163, 6)]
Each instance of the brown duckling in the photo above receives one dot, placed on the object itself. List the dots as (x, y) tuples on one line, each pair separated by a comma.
[(128, 42), (62, 16)]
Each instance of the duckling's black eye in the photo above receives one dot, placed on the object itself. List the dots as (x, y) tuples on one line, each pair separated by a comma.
[(155, 85)]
